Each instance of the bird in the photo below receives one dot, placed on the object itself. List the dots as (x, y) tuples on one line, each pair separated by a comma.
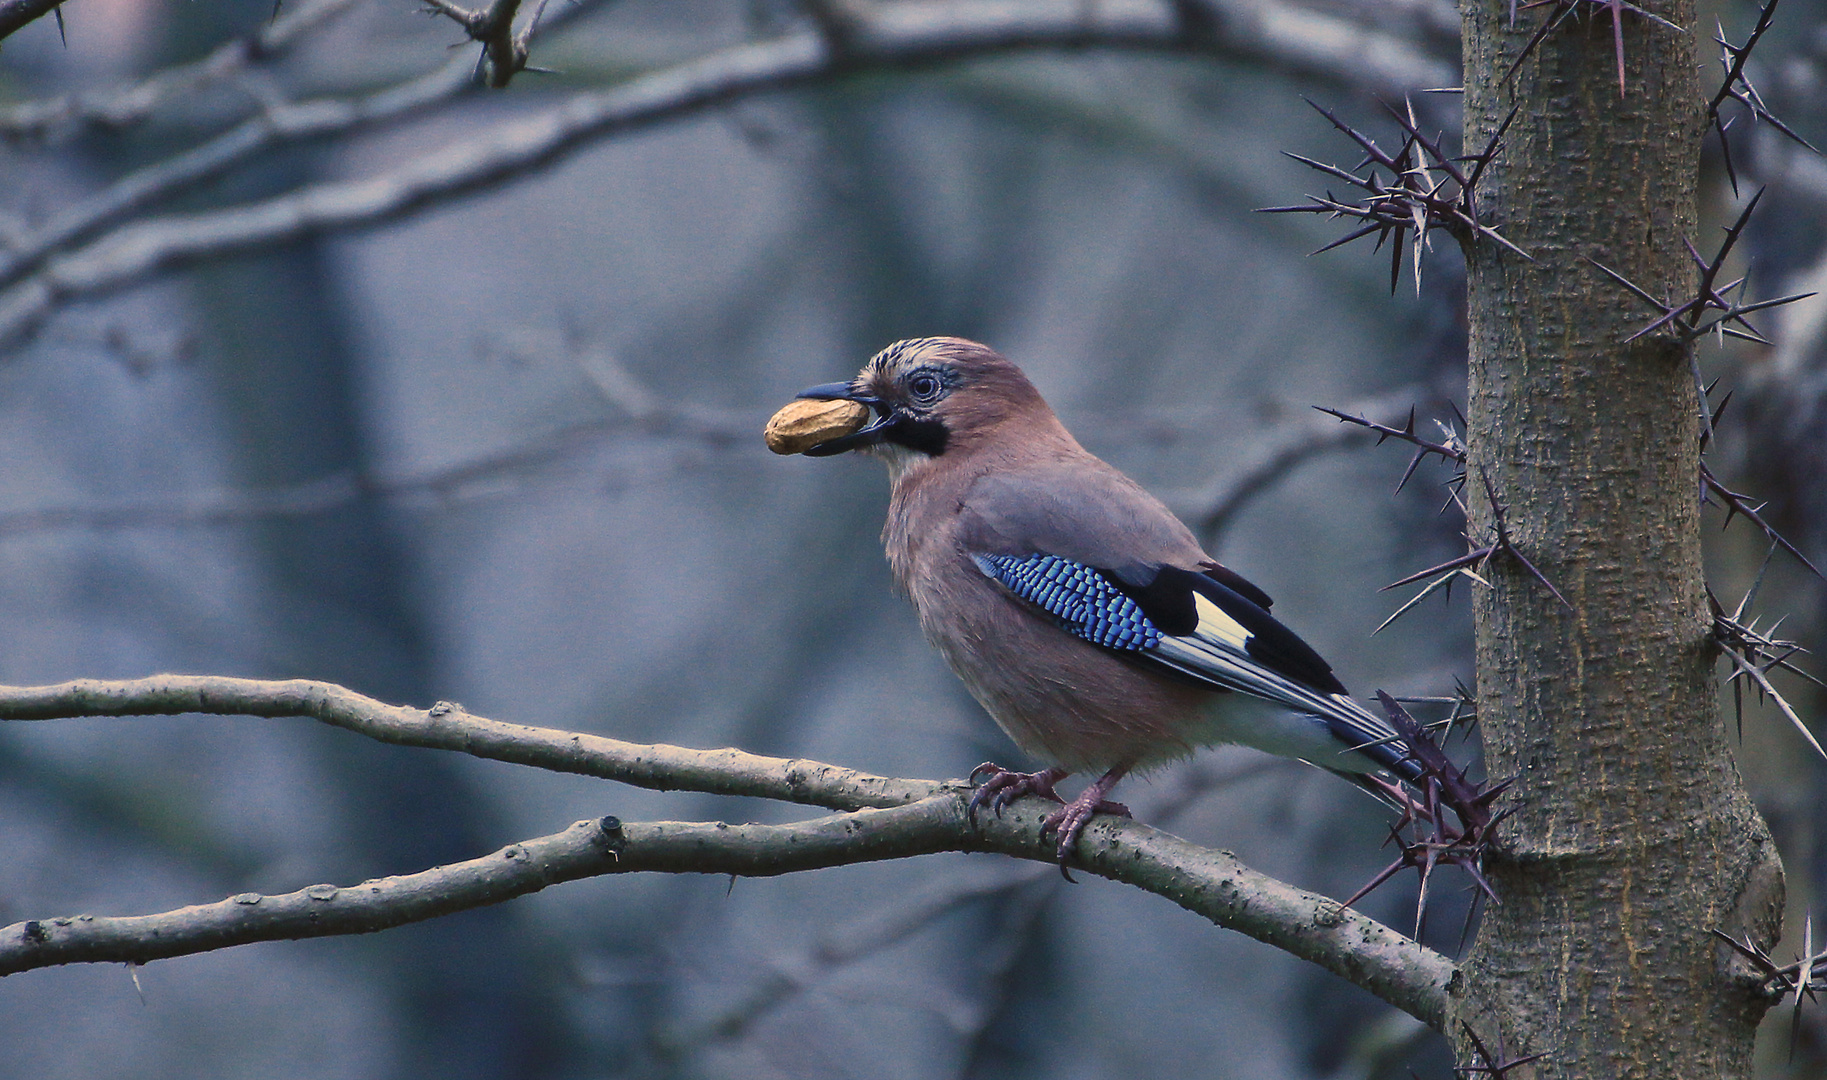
[(1081, 614)]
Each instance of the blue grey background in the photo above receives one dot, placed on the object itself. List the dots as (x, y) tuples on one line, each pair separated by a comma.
[(507, 453)]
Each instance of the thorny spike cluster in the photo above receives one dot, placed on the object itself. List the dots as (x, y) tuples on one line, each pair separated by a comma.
[(1559, 11), (1737, 504), (1426, 189), (1737, 86), (1799, 978), (1432, 840), (1686, 319), (1414, 198), (1452, 449), (1755, 653)]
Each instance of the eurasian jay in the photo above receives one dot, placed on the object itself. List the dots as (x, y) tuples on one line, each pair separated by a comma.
[(1078, 610)]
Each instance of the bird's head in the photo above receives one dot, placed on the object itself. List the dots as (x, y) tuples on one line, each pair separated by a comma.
[(929, 397)]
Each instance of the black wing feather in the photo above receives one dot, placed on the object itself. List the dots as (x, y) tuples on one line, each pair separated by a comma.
[(1168, 603), (1238, 584), (1157, 621)]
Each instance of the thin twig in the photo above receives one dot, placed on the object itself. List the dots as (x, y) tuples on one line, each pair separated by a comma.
[(117, 109), (894, 34), (467, 481), (277, 125), (871, 934), (1274, 455)]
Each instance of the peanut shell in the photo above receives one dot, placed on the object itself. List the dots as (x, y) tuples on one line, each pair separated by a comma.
[(804, 423)]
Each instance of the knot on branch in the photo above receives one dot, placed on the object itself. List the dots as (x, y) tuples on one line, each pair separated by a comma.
[(608, 837)]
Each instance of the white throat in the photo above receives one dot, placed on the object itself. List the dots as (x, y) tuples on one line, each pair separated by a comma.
[(902, 461)]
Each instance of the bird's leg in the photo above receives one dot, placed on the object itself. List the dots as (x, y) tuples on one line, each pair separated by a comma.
[(1002, 786), (1070, 820)]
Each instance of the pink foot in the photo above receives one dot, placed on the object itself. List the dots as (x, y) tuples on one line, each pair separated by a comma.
[(1003, 786), (1070, 820)]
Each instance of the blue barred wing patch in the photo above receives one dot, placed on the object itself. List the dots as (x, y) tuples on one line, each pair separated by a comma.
[(1083, 600)]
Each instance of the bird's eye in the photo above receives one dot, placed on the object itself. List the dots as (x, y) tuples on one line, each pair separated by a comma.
[(924, 386)]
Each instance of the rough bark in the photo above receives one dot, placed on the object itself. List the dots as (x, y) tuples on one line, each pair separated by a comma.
[(1634, 835)]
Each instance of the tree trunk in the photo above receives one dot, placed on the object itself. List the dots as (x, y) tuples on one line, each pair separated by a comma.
[(1634, 835)]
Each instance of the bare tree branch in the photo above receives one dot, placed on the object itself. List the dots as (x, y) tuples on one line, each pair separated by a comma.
[(901, 34), (121, 108), (279, 124), (504, 53), (1210, 883), (1031, 889), (463, 482), (447, 727), (1211, 509), (1275, 454), (870, 934), (271, 127)]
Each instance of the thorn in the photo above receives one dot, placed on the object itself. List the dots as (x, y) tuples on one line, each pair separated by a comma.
[(1737, 505), (1413, 464), (1469, 559)]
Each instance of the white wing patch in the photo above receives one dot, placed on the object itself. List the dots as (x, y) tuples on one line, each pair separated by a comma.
[(1216, 625), (1216, 653)]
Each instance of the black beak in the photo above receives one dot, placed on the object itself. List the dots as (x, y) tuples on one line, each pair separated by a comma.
[(832, 391), (867, 435)]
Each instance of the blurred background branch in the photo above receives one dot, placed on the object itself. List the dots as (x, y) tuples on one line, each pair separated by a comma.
[(44, 273), (298, 403), (65, 114)]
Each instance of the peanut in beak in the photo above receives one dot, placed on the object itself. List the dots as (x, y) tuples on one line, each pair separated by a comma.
[(804, 423)]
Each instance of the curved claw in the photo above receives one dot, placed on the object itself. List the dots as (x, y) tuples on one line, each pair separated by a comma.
[(1003, 786), (1069, 822)]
